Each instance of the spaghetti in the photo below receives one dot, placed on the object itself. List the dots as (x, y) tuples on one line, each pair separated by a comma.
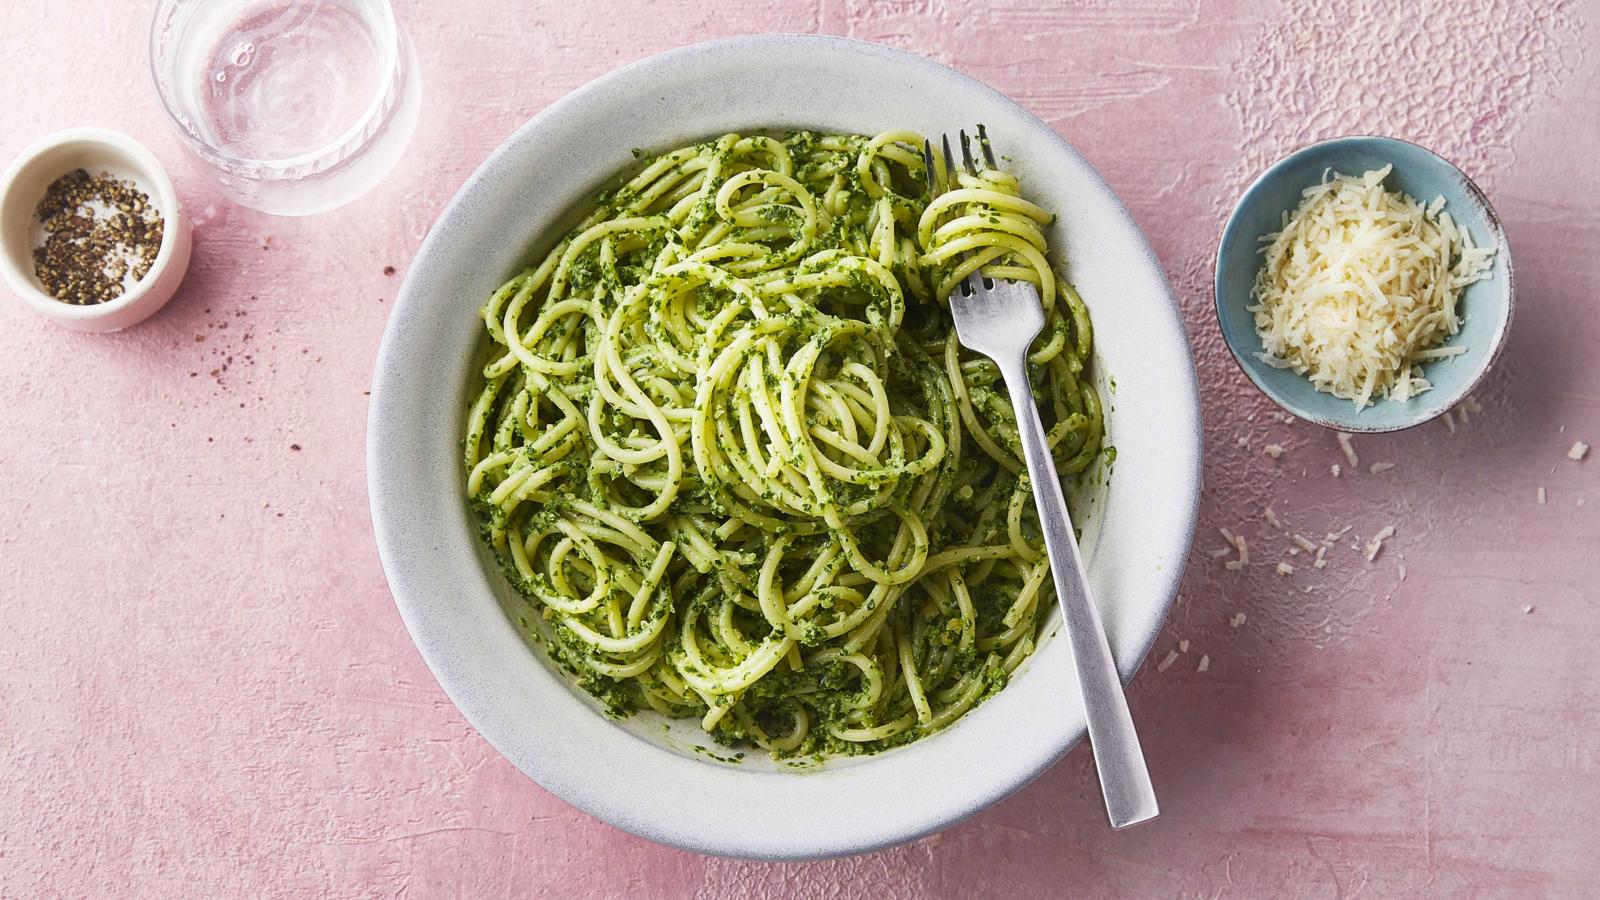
[(730, 449)]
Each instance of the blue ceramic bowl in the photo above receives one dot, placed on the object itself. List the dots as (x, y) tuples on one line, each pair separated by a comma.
[(1485, 306)]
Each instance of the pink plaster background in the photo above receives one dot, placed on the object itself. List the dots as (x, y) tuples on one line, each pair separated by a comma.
[(205, 689)]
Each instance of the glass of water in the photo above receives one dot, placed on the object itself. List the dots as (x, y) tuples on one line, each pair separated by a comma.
[(293, 107)]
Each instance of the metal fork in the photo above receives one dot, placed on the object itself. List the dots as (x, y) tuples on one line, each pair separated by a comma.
[(1000, 319)]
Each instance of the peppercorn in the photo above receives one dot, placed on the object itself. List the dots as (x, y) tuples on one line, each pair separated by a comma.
[(102, 235)]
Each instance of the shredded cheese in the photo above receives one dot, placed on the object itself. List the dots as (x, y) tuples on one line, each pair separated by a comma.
[(1205, 663), (1360, 288), (1578, 452), (1349, 450), (1167, 661), (1285, 569), (1239, 545), (1380, 468), (1375, 546)]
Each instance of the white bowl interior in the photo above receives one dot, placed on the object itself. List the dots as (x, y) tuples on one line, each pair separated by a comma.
[(641, 776)]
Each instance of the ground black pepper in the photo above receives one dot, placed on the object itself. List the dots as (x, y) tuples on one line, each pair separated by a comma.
[(99, 231)]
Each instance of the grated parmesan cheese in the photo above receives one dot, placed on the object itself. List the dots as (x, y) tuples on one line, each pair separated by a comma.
[(1304, 543), (1272, 517), (1360, 288), (1237, 620), (1335, 470), (1375, 546), (1273, 450), (1578, 452), (1542, 495), (1205, 663), (1349, 450), (1239, 545), (1285, 569), (1380, 468), (1167, 661)]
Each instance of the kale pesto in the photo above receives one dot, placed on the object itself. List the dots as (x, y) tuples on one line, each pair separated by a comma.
[(731, 453)]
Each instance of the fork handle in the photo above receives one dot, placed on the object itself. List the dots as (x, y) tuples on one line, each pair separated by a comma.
[(1124, 778)]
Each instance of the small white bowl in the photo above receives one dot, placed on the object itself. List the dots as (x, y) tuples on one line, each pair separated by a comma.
[(95, 150)]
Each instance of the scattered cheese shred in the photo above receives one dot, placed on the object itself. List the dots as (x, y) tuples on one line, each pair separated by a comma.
[(1578, 452), (1237, 620), (1375, 546), (1450, 421), (1167, 661), (1304, 543), (1357, 290), (1272, 517), (1285, 569), (1205, 664), (1349, 450), (1273, 450), (1335, 470), (1542, 496), (1240, 545), (1183, 646), (1380, 468), (1319, 562)]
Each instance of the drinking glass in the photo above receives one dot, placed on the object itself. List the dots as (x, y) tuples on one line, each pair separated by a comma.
[(292, 107)]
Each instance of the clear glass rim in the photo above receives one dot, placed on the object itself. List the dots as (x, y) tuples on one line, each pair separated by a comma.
[(390, 60)]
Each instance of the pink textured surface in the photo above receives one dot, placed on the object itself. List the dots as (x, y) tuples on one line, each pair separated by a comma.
[(205, 689)]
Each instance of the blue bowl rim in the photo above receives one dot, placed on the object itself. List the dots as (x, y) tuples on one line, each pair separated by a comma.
[(1352, 424)]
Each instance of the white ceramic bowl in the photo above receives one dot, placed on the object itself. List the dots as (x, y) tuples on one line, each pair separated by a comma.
[(642, 774), (96, 150)]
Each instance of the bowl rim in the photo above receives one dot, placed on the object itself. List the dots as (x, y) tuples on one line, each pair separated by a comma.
[(1354, 425), (532, 753), (152, 290)]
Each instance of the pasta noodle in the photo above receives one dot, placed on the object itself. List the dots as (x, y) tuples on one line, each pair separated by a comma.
[(731, 451)]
